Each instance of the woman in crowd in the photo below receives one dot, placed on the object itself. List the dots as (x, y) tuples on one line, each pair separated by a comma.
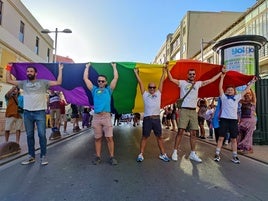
[(247, 123)]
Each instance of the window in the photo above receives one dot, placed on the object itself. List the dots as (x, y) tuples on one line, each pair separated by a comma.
[(48, 55), (178, 55), (210, 60), (1, 72), (21, 33), (36, 50), (183, 31), (183, 48), (1, 11)]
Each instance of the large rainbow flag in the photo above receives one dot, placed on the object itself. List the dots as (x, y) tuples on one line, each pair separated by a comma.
[(126, 96)]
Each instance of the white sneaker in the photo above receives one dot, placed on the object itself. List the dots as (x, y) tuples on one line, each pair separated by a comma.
[(140, 158), (28, 161), (44, 160), (194, 157), (235, 159), (164, 157), (174, 156)]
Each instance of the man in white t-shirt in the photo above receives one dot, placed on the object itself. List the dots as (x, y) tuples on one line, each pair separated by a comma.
[(188, 116), (151, 119)]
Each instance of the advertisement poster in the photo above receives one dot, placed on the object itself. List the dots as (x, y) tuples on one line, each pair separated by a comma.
[(240, 58)]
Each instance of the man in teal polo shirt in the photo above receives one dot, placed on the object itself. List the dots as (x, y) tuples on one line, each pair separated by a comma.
[(102, 112)]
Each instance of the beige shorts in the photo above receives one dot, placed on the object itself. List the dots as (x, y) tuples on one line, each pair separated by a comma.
[(15, 122), (188, 119), (102, 123), (55, 114), (63, 117)]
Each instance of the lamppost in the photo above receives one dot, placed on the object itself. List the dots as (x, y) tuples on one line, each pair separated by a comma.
[(46, 31), (202, 46)]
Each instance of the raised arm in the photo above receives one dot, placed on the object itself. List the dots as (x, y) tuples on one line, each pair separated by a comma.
[(221, 84), (212, 102), (206, 82), (8, 76), (254, 99), (177, 82), (115, 79), (59, 79), (160, 86), (10, 92), (254, 79), (136, 71), (85, 77)]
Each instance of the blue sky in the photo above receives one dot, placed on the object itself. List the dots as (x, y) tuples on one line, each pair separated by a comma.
[(119, 30)]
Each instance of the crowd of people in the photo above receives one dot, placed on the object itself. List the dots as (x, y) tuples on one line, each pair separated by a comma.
[(233, 118)]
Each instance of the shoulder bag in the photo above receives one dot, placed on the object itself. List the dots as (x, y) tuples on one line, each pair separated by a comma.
[(180, 100)]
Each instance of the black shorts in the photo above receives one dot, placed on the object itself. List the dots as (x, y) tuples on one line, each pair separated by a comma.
[(73, 116), (150, 124), (201, 120), (228, 125)]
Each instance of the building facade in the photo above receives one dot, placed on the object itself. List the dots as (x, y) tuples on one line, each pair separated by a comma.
[(20, 36), (195, 26), (21, 40)]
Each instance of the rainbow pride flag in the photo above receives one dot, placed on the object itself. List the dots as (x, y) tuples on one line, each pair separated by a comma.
[(126, 97)]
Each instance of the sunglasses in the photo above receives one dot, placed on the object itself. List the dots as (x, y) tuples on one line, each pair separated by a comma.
[(101, 81), (191, 73), (150, 87)]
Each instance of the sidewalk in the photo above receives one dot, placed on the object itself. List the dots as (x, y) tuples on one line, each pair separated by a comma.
[(23, 141)]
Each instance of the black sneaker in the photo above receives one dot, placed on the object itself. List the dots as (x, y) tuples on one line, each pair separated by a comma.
[(217, 158), (96, 161), (113, 161), (235, 160)]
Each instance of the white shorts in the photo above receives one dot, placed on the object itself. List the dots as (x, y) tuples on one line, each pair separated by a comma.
[(10, 121)]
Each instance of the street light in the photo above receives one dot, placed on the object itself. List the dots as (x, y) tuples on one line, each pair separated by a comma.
[(46, 31), (202, 47)]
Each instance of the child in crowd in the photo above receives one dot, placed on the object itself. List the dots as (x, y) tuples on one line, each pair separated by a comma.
[(202, 104), (85, 117), (229, 117)]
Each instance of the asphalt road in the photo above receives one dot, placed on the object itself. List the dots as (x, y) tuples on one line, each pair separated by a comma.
[(70, 175)]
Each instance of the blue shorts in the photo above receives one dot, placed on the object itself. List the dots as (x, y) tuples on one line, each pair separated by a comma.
[(150, 124), (228, 125)]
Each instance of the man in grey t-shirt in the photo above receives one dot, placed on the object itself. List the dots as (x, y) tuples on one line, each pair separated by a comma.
[(35, 105)]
